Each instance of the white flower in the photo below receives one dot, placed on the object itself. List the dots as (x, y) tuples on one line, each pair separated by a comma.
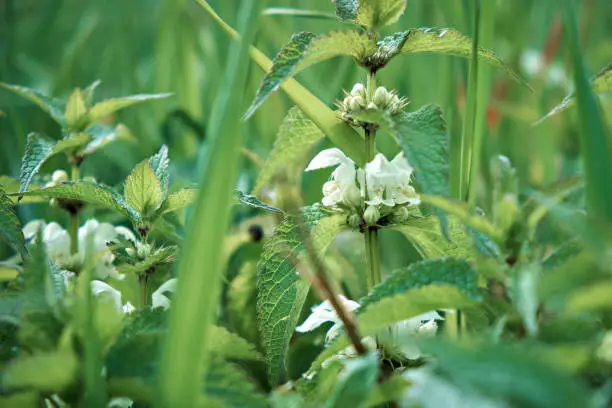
[(388, 183), (398, 337), (158, 299), (342, 187)]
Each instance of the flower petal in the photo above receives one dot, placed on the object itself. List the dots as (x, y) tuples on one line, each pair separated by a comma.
[(100, 288), (31, 228), (328, 158)]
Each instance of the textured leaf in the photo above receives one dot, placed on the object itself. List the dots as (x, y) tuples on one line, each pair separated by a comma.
[(386, 49), (159, 163), (373, 14), (105, 108), (227, 386), (92, 193), (281, 293), (103, 135), (423, 139), (356, 382), (160, 257), (508, 374), (51, 106), (449, 41), (306, 49), (346, 9), (600, 83), (426, 236), (38, 149), (47, 372), (143, 190), (10, 227), (76, 111), (462, 212), (296, 136), (231, 346), (178, 200), (254, 202), (72, 142)]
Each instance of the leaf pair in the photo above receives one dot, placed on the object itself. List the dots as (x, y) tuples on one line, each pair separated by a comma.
[(370, 14)]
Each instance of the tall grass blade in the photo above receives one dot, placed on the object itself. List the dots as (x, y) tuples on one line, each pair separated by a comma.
[(194, 309)]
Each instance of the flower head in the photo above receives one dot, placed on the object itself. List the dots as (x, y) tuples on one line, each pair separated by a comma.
[(342, 188)]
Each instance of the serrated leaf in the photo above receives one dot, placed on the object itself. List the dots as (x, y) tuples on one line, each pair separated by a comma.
[(507, 373), (346, 9), (92, 193), (449, 41), (306, 49), (254, 202), (72, 142), (76, 111), (463, 213), (386, 49), (227, 386), (52, 106), (10, 227), (355, 383), (600, 83), (103, 135), (162, 256), (178, 200), (296, 136), (106, 107), (373, 14), (48, 372), (231, 346), (159, 163), (143, 190), (281, 292), (38, 149)]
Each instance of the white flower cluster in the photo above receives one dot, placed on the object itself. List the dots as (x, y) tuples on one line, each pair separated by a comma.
[(383, 184), (398, 337), (357, 100), (57, 242), (158, 298)]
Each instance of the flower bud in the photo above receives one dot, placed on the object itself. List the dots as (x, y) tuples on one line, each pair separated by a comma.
[(352, 197), (381, 97), (371, 105), (371, 215), (144, 250), (59, 176), (400, 214), (358, 90), (354, 220), (54, 203), (356, 103)]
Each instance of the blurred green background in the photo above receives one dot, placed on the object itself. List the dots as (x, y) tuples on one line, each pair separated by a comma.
[(173, 46)]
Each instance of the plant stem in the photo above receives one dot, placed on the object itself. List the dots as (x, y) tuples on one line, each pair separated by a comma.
[(144, 295), (74, 215)]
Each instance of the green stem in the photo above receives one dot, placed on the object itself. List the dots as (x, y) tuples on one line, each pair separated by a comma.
[(74, 216), (144, 295)]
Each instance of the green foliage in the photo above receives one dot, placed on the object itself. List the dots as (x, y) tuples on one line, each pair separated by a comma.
[(296, 136), (355, 383), (281, 291), (53, 107), (228, 345), (254, 202), (10, 227), (38, 149), (370, 14), (47, 372), (143, 190), (228, 386)]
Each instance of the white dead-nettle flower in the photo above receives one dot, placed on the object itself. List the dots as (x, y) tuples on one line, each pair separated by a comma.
[(382, 182), (398, 337), (57, 242), (58, 177), (533, 63), (158, 298)]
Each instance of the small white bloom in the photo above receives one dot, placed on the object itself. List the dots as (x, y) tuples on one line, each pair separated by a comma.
[(59, 176), (401, 334), (358, 90), (159, 299), (380, 178), (31, 229), (324, 313), (342, 187), (103, 289)]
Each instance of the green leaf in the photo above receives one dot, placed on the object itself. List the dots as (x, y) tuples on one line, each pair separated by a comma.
[(178, 200), (103, 135), (51, 106), (306, 49), (143, 190), (38, 149), (346, 9), (159, 163), (10, 227), (525, 295), (600, 83), (449, 41), (423, 139), (386, 49), (509, 374), (296, 136), (254, 202), (356, 382), (227, 386), (373, 14), (76, 112), (229, 345), (106, 107), (464, 214), (48, 372), (162, 256), (444, 271), (72, 142), (95, 194), (281, 293)]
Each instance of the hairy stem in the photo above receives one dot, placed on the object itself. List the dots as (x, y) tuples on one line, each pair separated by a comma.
[(73, 229), (144, 295)]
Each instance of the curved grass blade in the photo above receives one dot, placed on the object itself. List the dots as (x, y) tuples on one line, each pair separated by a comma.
[(53, 107)]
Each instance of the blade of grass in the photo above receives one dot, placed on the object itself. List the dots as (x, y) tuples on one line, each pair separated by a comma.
[(195, 306), (595, 141), (295, 12)]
